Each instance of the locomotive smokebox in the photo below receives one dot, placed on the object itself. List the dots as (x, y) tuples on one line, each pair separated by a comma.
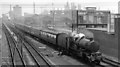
[(91, 46)]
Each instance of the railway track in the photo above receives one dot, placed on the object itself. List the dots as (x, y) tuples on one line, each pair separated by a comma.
[(105, 63), (33, 51), (110, 62), (9, 45), (16, 56), (37, 57)]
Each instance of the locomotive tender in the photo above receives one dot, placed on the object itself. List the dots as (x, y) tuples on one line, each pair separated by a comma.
[(78, 45)]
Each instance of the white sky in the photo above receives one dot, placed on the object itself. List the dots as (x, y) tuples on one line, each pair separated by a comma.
[(101, 4)]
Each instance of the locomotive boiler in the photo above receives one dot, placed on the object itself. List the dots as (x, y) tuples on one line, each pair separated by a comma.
[(74, 44)]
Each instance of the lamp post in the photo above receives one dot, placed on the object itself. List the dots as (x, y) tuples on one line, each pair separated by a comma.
[(34, 7), (53, 17), (77, 21), (117, 30), (53, 12), (109, 22)]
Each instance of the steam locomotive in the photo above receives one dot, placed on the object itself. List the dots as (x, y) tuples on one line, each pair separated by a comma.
[(75, 43)]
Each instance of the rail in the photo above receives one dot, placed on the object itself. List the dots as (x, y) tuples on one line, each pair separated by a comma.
[(13, 48), (33, 51), (111, 62), (38, 58)]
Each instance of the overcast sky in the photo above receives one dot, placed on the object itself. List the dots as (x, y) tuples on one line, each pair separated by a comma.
[(100, 4)]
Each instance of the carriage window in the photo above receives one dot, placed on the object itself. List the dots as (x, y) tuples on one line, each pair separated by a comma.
[(49, 34), (54, 36), (45, 33), (41, 33), (32, 32)]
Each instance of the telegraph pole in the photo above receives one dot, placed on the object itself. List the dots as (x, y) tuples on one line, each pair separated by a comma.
[(10, 8), (34, 7), (108, 23), (10, 12), (72, 20), (53, 14), (117, 30), (77, 21)]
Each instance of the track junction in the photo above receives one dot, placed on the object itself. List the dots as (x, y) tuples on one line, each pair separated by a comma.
[(24, 52)]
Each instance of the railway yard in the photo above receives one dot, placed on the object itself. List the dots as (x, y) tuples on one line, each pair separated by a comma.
[(69, 37), (26, 49)]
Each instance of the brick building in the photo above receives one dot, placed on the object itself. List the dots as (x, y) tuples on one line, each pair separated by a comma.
[(17, 11), (119, 7), (93, 16)]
